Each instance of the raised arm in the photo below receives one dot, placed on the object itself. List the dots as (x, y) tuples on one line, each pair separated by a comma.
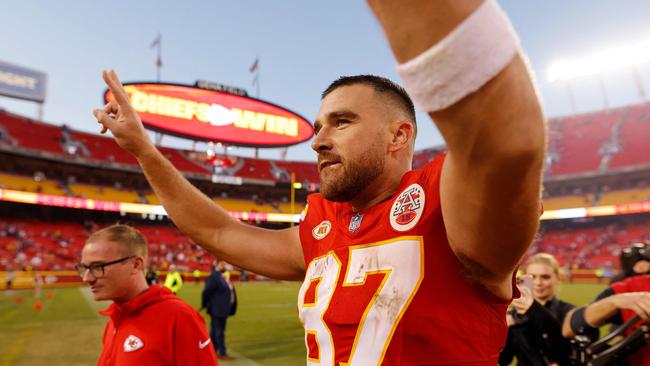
[(273, 253), (490, 185)]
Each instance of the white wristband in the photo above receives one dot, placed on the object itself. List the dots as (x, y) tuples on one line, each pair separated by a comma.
[(467, 58)]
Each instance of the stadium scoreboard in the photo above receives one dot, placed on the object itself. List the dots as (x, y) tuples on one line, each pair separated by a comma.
[(215, 115)]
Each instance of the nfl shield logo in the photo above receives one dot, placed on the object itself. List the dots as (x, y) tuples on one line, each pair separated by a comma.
[(355, 222)]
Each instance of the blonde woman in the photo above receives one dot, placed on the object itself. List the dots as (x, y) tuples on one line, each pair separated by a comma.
[(535, 320)]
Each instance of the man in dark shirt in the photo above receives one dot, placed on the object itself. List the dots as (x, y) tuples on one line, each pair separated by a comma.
[(217, 298)]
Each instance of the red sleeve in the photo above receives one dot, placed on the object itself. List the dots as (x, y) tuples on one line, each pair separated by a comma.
[(192, 344), (621, 286)]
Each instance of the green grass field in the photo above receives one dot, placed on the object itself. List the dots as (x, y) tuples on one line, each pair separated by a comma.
[(68, 330)]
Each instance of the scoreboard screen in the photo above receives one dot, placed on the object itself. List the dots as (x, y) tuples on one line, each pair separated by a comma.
[(210, 115)]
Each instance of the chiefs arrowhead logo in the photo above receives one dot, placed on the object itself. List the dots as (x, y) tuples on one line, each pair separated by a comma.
[(407, 208), (321, 230), (132, 343)]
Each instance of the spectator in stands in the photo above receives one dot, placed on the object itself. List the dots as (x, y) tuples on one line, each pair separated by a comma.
[(535, 320), (36, 261), (218, 299), (148, 325), (482, 197)]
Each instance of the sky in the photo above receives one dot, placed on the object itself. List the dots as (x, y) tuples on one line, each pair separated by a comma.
[(302, 46)]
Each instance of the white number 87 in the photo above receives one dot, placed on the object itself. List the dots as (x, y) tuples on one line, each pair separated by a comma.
[(401, 262)]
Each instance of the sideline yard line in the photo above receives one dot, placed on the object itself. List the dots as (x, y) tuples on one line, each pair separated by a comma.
[(16, 347), (101, 305)]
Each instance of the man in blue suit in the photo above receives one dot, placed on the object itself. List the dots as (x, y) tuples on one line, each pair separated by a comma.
[(218, 299)]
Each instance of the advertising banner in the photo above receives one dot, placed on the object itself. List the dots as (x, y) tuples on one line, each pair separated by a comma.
[(22, 83)]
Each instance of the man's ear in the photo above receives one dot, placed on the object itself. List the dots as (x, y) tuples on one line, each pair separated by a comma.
[(139, 264), (401, 135)]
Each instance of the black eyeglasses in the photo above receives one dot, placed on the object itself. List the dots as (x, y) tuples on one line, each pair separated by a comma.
[(97, 269)]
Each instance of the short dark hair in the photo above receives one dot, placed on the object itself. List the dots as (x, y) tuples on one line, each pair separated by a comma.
[(380, 85), (130, 239)]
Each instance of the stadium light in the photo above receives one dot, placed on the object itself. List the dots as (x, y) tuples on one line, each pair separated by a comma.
[(612, 58)]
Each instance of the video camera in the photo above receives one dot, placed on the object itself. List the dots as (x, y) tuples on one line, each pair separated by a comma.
[(634, 253), (607, 351)]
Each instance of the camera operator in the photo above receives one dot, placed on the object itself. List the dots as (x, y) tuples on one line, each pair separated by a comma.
[(633, 262), (617, 304), (535, 321)]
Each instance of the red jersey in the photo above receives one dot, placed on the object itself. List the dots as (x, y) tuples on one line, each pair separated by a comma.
[(383, 286), (155, 328), (634, 284)]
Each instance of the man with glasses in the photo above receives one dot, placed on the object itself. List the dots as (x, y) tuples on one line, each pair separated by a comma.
[(148, 325)]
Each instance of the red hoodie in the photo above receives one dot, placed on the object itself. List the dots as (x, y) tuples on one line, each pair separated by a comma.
[(155, 328)]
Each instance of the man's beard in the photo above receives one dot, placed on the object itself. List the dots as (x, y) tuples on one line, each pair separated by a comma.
[(357, 174)]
